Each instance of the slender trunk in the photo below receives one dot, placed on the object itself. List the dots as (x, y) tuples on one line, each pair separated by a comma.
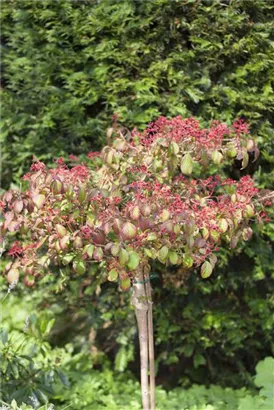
[(140, 303), (151, 347)]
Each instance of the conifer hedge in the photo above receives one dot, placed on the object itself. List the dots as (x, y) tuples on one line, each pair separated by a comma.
[(68, 66)]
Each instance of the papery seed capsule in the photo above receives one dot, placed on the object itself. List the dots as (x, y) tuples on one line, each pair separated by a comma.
[(56, 187), (135, 213), (18, 206), (217, 157), (231, 151), (79, 266), (223, 225), (109, 132), (123, 257), (164, 216), (61, 230), (187, 261), (146, 210), (98, 254), (78, 242), (120, 144), (7, 196), (39, 200), (247, 233), (29, 281), (187, 164), (99, 238), (163, 253), (249, 211), (144, 223), (206, 270), (13, 276), (82, 194), (109, 157), (117, 226), (129, 231), (173, 257), (115, 249), (64, 242), (112, 275), (250, 145)]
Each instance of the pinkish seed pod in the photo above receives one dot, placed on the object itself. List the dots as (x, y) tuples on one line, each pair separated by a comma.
[(250, 146), (99, 238), (18, 206), (117, 226), (144, 223), (8, 196), (29, 281), (146, 210), (61, 230), (98, 254), (135, 213), (78, 242), (129, 231), (13, 276)]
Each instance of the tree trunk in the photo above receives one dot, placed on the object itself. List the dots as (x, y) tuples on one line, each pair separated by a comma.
[(140, 303), (151, 346)]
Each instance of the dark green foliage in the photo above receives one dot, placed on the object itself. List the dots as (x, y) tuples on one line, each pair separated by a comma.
[(68, 66), (44, 377)]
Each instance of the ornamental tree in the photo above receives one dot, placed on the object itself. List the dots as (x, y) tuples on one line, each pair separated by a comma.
[(141, 199)]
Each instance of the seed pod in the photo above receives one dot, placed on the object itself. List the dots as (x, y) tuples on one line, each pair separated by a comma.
[(82, 194), (164, 216), (29, 281), (173, 257), (89, 249), (117, 226), (144, 223), (13, 276), (135, 213), (187, 261), (206, 270), (146, 210), (99, 238), (39, 200), (247, 233), (79, 266), (120, 144), (129, 231), (133, 261), (177, 229), (61, 230), (223, 225), (8, 197), (249, 211), (163, 253), (18, 206), (217, 157), (112, 275), (115, 249), (98, 254), (187, 164), (123, 257), (109, 157), (125, 284), (168, 227), (174, 148), (78, 242), (64, 242), (231, 151), (109, 132), (56, 187), (250, 146)]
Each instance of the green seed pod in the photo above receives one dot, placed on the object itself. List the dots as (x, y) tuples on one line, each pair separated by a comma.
[(115, 249), (98, 254), (173, 257), (135, 213), (61, 230), (78, 242), (231, 151), (112, 275), (56, 187), (206, 270), (223, 224), (217, 157), (82, 194), (134, 260), (79, 266), (187, 261), (187, 164), (123, 257), (163, 253)]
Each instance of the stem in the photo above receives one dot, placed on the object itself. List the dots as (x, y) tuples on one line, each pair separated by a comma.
[(140, 303), (151, 347)]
